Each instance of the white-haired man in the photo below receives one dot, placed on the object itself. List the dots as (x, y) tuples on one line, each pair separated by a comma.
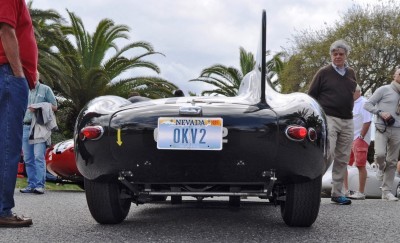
[(333, 87)]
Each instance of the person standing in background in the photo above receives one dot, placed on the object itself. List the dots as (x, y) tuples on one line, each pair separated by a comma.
[(18, 65), (384, 103), (398, 169), (359, 149), (333, 87), (35, 141)]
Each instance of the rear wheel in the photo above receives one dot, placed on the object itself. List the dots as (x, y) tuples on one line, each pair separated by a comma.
[(105, 202), (302, 203), (234, 201), (398, 190), (81, 185), (158, 198), (176, 199)]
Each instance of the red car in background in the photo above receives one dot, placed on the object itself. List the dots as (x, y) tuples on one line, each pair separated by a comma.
[(60, 164), (60, 161)]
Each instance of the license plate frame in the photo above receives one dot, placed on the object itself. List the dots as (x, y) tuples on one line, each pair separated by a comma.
[(189, 133)]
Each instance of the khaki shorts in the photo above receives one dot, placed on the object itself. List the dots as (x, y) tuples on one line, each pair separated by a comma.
[(359, 152)]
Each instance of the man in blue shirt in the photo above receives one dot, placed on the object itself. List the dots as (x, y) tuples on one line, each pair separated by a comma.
[(34, 152)]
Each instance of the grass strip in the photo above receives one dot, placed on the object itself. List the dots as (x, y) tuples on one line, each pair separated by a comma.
[(50, 186)]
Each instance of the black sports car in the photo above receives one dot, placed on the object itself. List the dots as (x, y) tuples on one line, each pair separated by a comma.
[(260, 143)]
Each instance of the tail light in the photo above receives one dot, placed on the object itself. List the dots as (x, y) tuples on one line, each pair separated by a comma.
[(91, 132), (296, 133)]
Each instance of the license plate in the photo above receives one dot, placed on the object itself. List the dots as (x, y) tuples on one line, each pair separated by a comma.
[(189, 133)]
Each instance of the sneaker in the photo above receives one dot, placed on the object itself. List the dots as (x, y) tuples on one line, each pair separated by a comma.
[(26, 190), (39, 190), (348, 193), (379, 175), (341, 200), (389, 197), (357, 195)]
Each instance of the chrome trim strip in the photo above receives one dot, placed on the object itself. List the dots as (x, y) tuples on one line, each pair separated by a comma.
[(190, 110)]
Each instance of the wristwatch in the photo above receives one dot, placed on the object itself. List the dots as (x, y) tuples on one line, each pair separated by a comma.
[(361, 136)]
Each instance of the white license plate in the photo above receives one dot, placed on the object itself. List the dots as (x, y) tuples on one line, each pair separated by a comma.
[(189, 133)]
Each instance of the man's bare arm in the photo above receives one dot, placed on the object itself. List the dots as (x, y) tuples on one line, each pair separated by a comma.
[(10, 45)]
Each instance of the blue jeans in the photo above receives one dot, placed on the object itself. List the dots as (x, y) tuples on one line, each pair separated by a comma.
[(13, 103), (35, 164)]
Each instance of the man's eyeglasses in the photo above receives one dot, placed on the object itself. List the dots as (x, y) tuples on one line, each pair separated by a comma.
[(338, 54)]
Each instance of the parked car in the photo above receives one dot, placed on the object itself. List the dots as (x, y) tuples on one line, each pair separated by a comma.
[(60, 161), (260, 143), (51, 176), (372, 185)]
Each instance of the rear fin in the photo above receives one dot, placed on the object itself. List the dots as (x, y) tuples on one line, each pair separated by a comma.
[(263, 55)]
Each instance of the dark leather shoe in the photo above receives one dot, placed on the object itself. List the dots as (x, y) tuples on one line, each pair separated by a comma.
[(15, 221)]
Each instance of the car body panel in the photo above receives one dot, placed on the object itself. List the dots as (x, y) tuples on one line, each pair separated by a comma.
[(254, 141), (60, 161), (372, 185)]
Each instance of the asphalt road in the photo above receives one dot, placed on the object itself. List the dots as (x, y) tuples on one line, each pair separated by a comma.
[(64, 217)]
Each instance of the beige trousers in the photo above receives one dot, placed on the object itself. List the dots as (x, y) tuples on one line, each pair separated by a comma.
[(340, 135), (387, 147)]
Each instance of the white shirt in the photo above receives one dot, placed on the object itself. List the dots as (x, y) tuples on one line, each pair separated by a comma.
[(342, 70), (361, 116)]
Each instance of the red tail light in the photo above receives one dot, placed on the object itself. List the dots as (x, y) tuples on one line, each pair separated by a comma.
[(296, 133), (91, 132)]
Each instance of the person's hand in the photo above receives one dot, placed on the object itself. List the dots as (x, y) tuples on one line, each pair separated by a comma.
[(31, 109), (385, 115)]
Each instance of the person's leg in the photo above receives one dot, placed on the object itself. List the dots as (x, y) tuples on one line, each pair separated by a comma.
[(29, 158), (51, 177), (40, 164), (13, 103), (380, 144), (332, 137), (345, 182), (362, 176), (391, 159), (361, 154), (351, 161), (342, 155), (398, 167)]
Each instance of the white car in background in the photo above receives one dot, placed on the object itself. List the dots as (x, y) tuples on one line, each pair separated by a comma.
[(372, 186)]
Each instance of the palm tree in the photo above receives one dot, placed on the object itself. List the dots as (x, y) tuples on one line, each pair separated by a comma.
[(47, 28), (274, 68), (228, 79), (90, 72)]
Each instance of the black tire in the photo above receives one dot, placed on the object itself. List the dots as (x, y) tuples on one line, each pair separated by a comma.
[(398, 191), (234, 201), (81, 185), (176, 199), (302, 203), (105, 203)]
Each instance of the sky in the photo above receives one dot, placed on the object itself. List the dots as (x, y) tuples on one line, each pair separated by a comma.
[(195, 34)]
